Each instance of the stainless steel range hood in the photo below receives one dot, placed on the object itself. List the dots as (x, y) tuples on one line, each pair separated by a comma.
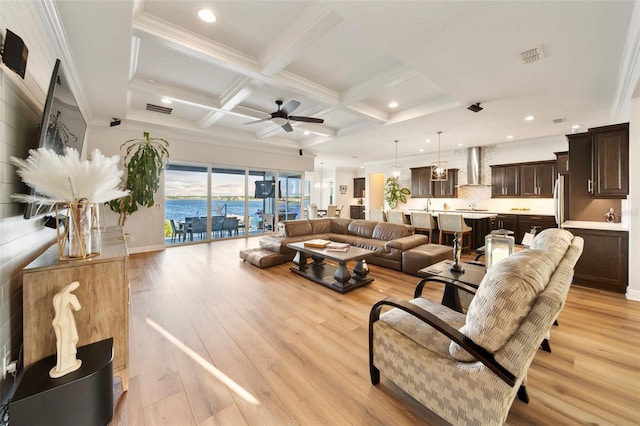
[(473, 166)]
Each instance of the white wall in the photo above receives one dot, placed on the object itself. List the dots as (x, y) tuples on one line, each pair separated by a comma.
[(21, 104)]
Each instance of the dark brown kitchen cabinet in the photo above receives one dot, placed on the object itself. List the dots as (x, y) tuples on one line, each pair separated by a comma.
[(562, 162), (610, 161), (506, 221), (604, 261), (359, 185), (537, 179), (421, 182), (505, 181), (527, 222), (356, 212), (446, 188)]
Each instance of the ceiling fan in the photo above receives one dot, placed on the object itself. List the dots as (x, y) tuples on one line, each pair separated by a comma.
[(281, 117)]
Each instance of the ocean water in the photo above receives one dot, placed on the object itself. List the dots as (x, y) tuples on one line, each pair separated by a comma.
[(180, 209)]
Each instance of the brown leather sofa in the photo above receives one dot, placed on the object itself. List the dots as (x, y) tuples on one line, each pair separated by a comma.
[(388, 240)]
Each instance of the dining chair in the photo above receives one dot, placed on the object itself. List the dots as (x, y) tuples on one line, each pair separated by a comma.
[(377, 215), (331, 210), (176, 230), (396, 217), (424, 223), (313, 211), (450, 224), (216, 225), (339, 211)]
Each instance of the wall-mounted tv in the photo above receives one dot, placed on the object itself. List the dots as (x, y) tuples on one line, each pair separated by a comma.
[(62, 125), (266, 189)]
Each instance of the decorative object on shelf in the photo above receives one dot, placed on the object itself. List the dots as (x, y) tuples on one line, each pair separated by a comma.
[(64, 326), (393, 193), (396, 169), (76, 185), (439, 169), (610, 216), (498, 245), (144, 161)]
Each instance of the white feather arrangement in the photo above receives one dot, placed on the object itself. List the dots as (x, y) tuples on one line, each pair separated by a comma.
[(67, 179)]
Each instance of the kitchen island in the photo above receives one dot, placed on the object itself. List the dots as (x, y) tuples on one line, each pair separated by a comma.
[(479, 221)]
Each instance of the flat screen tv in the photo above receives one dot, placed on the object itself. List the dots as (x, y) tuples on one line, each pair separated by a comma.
[(266, 189), (62, 125)]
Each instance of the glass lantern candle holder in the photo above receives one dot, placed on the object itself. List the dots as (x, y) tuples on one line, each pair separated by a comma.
[(497, 247)]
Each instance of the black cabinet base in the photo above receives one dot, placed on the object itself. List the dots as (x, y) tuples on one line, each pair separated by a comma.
[(84, 397)]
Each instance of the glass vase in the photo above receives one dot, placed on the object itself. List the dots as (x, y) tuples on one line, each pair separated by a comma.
[(75, 233)]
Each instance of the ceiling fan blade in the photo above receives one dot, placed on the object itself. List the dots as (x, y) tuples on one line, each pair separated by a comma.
[(287, 127), (290, 106), (257, 121), (306, 119)]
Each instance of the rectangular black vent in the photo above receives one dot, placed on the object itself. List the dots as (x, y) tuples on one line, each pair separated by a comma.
[(158, 108)]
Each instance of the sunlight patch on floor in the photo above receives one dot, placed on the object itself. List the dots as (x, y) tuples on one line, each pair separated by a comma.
[(239, 390)]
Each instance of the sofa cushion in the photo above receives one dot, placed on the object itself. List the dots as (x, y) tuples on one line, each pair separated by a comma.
[(362, 228), (340, 226), (504, 298), (320, 226), (389, 231), (294, 228)]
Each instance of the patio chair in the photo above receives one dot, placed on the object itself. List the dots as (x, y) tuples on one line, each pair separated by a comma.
[(230, 225), (199, 227), (176, 230), (216, 225)]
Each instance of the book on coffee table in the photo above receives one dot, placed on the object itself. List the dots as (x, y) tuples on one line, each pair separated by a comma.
[(317, 243), (337, 246)]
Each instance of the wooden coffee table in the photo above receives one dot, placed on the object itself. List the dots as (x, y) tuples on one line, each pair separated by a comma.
[(336, 277), (439, 272)]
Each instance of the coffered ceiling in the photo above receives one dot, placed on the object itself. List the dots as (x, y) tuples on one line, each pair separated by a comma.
[(345, 62)]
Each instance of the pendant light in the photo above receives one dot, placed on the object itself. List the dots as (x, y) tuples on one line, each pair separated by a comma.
[(439, 168), (396, 169)]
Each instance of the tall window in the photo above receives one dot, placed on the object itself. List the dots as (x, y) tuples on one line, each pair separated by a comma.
[(185, 199)]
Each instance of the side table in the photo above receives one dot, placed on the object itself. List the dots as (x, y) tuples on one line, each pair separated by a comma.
[(83, 397), (439, 272)]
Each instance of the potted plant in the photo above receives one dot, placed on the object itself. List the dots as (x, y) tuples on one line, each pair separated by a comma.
[(144, 161), (393, 193)]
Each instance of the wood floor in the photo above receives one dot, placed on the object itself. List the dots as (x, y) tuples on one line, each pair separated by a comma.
[(218, 341)]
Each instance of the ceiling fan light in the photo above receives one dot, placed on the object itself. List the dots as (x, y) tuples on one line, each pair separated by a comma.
[(280, 121)]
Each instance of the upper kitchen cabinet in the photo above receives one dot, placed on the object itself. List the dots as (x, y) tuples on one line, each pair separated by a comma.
[(562, 162), (537, 179), (358, 187), (421, 182), (505, 181), (446, 188), (610, 161)]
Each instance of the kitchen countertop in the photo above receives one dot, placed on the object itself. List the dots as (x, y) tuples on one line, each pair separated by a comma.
[(467, 214), (602, 226)]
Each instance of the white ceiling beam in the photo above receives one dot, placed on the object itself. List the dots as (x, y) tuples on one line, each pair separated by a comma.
[(378, 83), (432, 108), (367, 111), (315, 22), (237, 92)]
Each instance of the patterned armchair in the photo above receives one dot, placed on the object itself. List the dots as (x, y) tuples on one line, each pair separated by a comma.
[(469, 368)]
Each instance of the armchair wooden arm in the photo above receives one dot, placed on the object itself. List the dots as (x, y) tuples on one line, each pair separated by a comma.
[(477, 351)]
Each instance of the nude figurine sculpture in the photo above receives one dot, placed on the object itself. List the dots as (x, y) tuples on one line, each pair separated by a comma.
[(64, 325)]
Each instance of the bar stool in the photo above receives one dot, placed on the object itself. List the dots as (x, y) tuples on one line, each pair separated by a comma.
[(424, 223), (377, 215), (449, 224), (396, 217)]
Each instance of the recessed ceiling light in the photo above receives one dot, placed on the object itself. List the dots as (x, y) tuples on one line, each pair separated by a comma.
[(529, 118), (393, 104), (509, 136), (421, 150), (576, 126), (427, 140), (362, 167), (460, 144), (306, 132), (166, 101), (206, 15)]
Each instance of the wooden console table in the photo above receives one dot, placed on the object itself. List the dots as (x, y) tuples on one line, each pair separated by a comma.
[(103, 296)]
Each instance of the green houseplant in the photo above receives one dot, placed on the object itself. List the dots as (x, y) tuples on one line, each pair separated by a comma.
[(144, 161), (393, 193)]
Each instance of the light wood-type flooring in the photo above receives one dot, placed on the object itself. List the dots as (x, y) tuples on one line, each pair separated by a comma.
[(215, 340)]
